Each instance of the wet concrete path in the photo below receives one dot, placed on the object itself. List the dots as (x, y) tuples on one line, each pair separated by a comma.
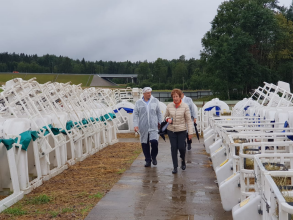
[(155, 193)]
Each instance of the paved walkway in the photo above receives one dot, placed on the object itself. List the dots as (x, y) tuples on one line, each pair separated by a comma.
[(155, 193)]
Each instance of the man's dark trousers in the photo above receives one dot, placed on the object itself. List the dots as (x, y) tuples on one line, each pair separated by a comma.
[(150, 154)]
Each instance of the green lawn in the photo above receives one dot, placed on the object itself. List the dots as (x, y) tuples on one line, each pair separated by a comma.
[(6, 77), (43, 78), (75, 79)]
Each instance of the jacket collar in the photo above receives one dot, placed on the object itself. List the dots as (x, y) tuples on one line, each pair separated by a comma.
[(175, 104)]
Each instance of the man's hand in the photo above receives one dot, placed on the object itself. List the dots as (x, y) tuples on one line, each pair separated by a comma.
[(159, 126), (136, 129), (194, 120), (190, 136)]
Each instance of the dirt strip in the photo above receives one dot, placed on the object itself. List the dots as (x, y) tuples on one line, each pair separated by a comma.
[(73, 193)]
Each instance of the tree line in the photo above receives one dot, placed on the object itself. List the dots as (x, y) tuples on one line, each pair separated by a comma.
[(161, 74), (250, 41)]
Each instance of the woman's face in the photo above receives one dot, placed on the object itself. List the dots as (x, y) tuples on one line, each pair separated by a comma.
[(176, 98)]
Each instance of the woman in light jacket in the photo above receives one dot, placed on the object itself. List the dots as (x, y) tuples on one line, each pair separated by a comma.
[(178, 115)]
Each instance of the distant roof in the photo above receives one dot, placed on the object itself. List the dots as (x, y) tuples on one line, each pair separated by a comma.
[(118, 75)]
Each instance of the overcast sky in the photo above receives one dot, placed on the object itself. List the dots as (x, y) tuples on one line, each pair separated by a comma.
[(116, 30)]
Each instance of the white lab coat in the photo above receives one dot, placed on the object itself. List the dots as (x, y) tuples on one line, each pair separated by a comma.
[(146, 117)]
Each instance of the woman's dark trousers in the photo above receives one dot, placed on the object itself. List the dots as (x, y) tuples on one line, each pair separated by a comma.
[(149, 155), (188, 141), (177, 140)]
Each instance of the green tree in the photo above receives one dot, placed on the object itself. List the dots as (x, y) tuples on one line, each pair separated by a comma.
[(236, 49), (282, 55), (200, 80), (3, 67), (160, 71), (143, 71), (182, 58), (180, 73), (65, 66)]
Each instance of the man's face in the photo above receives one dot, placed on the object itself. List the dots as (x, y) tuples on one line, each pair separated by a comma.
[(147, 95)]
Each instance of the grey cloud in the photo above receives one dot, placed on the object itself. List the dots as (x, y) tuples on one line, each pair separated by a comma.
[(107, 30)]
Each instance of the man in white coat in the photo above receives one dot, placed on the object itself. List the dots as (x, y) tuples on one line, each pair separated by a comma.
[(193, 113), (146, 120)]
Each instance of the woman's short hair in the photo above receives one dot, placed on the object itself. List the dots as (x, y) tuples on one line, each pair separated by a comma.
[(178, 91)]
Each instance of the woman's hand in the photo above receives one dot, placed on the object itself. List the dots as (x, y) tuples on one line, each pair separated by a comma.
[(169, 120), (190, 136)]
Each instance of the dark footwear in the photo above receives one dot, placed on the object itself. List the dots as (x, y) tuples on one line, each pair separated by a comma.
[(174, 171), (147, 164), (155, 161), (189, 147), (183, 165)]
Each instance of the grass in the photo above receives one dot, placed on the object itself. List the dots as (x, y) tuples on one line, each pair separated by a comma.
[(6, 77), (74, 192), (137, 152), (41, 199), (14, 211), (127, 135), (77, 79), (40, 78), (54, 214), (38, 212), (86, 210), (43, 78), (81, 194), (121, 171), (97, 195), (65, 210)]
